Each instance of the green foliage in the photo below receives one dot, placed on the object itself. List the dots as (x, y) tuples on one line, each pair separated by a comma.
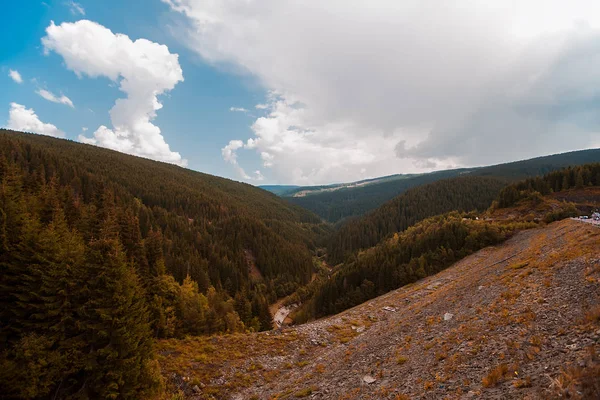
[(420, 251), (336, 206), (101, 251), (461, 194), (567, 210), (569, 178)]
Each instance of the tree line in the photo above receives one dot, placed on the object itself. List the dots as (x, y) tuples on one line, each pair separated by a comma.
[(455, 194), (576, 177)]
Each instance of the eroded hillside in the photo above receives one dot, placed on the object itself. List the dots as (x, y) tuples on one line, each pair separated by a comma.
[(518, 320)]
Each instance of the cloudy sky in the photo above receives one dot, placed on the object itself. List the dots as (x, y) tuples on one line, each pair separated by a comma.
[(306, 92)]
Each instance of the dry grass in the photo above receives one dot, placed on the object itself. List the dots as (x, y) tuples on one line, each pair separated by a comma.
[(496, 376), (593, 314)]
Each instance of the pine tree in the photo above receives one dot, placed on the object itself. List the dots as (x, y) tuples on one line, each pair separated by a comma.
[(113, 321), (579, 183)]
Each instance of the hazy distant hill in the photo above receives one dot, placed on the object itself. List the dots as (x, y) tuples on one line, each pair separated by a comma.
[(358, 200), (279, 190), (304, 191)]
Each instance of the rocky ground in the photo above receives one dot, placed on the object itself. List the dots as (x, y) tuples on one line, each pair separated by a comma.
[(519, 320)]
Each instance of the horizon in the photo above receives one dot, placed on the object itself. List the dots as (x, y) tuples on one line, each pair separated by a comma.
[(360, 95), (263, 184)]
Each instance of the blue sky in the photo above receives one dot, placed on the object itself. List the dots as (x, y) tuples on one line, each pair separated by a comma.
[(195, 119), (323, 91)]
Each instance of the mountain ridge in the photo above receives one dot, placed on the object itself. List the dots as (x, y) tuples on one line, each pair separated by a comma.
[(347, 203)]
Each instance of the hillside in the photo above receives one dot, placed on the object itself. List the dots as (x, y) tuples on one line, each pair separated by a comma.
[(100, 252), (279, 190), (512, 321), (335, 206), (455, 194), (460, 194), (303, 191)]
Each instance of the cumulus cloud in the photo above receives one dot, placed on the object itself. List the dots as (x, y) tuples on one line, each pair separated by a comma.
[(15, 76), (75, 8), (143, 70), (26, 120), (229, 153), (371, 88), (62, 99)]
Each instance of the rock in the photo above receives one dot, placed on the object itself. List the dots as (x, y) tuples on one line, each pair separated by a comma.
[(368, 379), (448, 316), (196, 389), (480, 287), (360, 329), (388, 308)]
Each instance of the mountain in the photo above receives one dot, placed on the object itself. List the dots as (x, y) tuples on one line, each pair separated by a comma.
[(126, 278), (465, 193), (345, 202), (420, 247), (279, 190), (100, 252), (304, 191), (512, 321)]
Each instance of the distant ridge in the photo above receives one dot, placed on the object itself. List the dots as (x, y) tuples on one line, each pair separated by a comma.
[(337, 205)]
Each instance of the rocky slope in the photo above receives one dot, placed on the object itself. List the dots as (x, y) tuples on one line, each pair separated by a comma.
[(519, 320)]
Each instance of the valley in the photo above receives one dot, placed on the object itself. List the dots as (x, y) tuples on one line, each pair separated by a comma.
[(512, 321), (128, 278)]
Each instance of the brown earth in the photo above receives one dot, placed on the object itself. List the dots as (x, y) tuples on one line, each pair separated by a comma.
[(519, 320)]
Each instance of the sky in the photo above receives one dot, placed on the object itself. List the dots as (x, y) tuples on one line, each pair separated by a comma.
[(306, 92)]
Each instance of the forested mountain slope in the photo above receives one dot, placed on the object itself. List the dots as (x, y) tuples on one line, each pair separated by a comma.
[(95, 248), (518, 320), (455, 194), (335, 206), (343, 203), (432, 244)]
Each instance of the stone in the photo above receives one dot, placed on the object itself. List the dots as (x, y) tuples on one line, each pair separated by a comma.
[(448, 316), (196, 389), (368, 379)]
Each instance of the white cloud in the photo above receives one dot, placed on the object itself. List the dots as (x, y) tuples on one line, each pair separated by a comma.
[(26, 120), (371, 88), (229, 153), (55, 99), (143, 69), (238, 109), (75, 8), (15, 76)]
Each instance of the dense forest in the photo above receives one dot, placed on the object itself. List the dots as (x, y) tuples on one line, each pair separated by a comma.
[(100, 252), (338, 205), (576, 177), (456, 194), (422, 250)]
